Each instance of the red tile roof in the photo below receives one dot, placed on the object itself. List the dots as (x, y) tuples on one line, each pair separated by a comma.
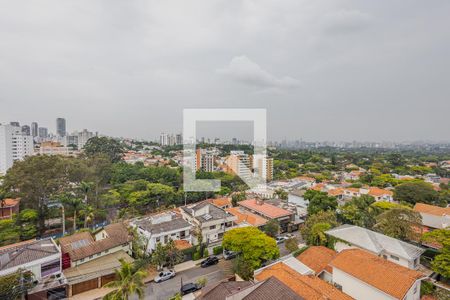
[(10, 202), (246, 216), (308, 287), (265, 209), (221, 202), (317, 258), (384, 275), (431, 209)]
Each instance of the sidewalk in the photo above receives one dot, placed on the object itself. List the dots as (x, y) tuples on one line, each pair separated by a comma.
[(92, 294)]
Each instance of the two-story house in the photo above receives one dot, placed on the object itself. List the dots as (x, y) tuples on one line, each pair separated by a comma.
[(394, 250), (211, 220), (161, 228), (9, 207), (43, 259), (433, 217)]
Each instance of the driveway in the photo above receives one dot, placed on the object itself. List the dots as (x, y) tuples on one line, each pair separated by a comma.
[(166, 289)]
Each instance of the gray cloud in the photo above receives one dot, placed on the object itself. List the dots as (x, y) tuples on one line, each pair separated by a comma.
[(244, 70), (369, 70)]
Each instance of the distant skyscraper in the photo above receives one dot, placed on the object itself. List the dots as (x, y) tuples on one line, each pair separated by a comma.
[(14, 145), (43, 132), (26, 130), (164, 139), (15, 123), (34, 129), (179, 139), (61, 127)]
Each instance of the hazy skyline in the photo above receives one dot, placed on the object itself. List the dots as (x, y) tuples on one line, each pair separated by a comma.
[(325, 70)]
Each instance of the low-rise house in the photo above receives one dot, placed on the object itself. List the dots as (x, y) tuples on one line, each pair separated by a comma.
[(161, 228), (284, 217), (394, 250), (433, 217), (363, 275), (208, 219), (222, 203), (379, 194), (90, 259), (271, 288), (318, 259), (9, 207), (82, 247), (246, 218), (43, 259), (305, 286)]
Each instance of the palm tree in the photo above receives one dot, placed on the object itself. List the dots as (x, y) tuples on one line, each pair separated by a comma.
[(129, 281), (75, 204), (86, 187), (89, 215)]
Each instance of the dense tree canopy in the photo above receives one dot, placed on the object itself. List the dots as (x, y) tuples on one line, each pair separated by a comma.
[(415, 192), (106, 146), (399, 223), (441, 262), (254, 246), (319, 201)]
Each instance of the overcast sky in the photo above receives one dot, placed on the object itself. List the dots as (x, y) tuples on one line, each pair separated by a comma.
[(325, 70)]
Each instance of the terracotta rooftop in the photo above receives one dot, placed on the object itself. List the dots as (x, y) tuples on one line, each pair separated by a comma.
[(431, 209), (182, 244), (272, 289), (81, 245), (221, 202), (10, 202), (246, 216), (317, 258), (384, 275), (374, 191), (308, 287), (265, 209)]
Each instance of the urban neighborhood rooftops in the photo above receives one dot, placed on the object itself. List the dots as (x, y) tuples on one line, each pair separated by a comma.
[(384, 275), (244, 216), (205, 211), (265, 209), (317, 258), (162, 223), (374, 241), (432, 209)]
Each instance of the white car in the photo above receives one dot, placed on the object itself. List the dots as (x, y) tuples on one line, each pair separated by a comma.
[(165, 275)]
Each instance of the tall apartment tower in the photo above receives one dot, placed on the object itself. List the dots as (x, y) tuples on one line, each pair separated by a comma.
[(43, 132), (179, 139), (26, 130), (14, 145), (204, 160), (265, 168), (61, 127), (164, 139), (34, 129), (240, 164)]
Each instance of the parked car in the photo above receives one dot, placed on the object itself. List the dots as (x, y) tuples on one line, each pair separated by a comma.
[(279, 239), (227, 254), (289, 236), (212, 260), (165, 275), (189, 288)]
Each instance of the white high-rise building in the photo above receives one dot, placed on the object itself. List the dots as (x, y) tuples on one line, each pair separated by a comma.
[(164, 139), (14, 145)]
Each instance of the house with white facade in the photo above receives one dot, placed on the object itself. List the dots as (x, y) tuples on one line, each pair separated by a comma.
[(394, 250), (162, 228), (433, 217), (40, 257), (211, 220), (363, 275)]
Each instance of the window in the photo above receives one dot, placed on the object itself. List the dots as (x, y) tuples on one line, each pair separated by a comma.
[(91, 256), (182, 234), (384, 256), (158, 239), (395, 257), (50, 268), (338, 286), (107, 250), (212, 227)]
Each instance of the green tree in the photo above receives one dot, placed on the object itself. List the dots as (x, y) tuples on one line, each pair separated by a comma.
[(398, 223), (14, 286), (317, 236), (272, 228), (85, 188), (128, 282), (291, 244), (441, 262), (159, 256), (328, 217), (236, 197), (9, 232), (104, 145), (282, 194), (253, 245), (319, 201), (75, 205), (174, 256), (416, 191), (358, 211), (27, 220)]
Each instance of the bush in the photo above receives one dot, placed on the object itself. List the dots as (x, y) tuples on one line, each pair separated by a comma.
[(291, 244), (202, 281), (205, 253), (299, 251), (196, 256), (218, 250), (426, 288)]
